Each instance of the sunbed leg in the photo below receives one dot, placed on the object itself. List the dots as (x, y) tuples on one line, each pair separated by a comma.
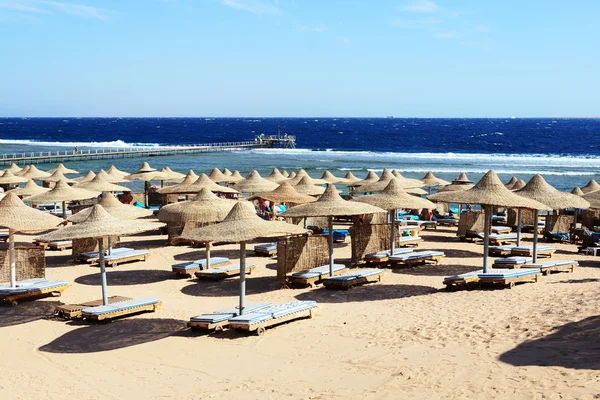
[(261, 331)]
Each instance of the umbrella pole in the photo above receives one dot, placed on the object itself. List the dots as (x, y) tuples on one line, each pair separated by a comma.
[(428, 190), (392, 233), (110, 245), (64, 209), (519, 227), (207, 254), (330, 239), (11, 256), (102, 270), (145, 194), (535, 235), (486, 236), (242, 277)]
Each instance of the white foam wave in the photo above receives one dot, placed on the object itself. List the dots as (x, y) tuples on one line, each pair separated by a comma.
[(113, 144)]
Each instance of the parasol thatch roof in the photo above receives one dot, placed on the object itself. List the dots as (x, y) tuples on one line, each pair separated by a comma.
[(351, 178), (276, 176), (8, 178), (14, 214), (14, 168), (301, 174), (100, 184), (30, 189), (462, 178), (240, 225), (217, 176), (227, 172), (393, 197), (285, 173), (206, 207), (431, 180), (331, 204), (371, 177), (329, 177), (407, 183), (86, 178), (591, 186), (509, 185), (32, 172), (237, 176), (518, 185), (110, 178), (577, 191), (62, 192), (63, 170), (189, 179), (306, 186), (116, 172), (254, 183), (100, 224), (203, 181), (114, 207), (593, 198), (291, 175), (489, 191), (285, 193), (539, 190), (58, 176), (172, 175)]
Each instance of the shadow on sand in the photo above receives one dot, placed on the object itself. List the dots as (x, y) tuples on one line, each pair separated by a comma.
[(126, 278), (573, 345), (441, 270), (230, 286), (26, 312), (368, 292)]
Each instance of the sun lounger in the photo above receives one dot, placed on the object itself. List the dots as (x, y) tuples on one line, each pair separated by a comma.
[(92, 256), (339, 235), (136, 255), (508, 277), (30, 289), (417, 257), (419, 223), (220, 319), (558, 237), (511, 262), (383, 255), (266, 249), (121, 308), (3, 236), (409, 230), (60, 245), (409, 241), (315, 275), (446, 221), (498, 218), (467, 280), (499, 239), (548, 267), (223, 272), (189, 268), (261, 319), (349, 280), (543, 250), (72, 311), (500, 251)]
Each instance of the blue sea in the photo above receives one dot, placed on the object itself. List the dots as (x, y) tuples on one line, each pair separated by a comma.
[(566, 151)]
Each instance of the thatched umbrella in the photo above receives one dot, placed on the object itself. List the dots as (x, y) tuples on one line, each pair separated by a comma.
[(351, 177), (14, 168), (511, 182), (116, 172), (370, 178), (593, 198), (58, 176), (242, 225), (331, 204), (378, 185), (204, 181), (430, 180), (307, 186), (285, 173), (9, 179), (146, 173), (518, 185), (63, 170), (190, 178), (32, 172), (539, 190), (276, 176), (172, 175), (237, 176), (111, 178), (407, 183), (217, 176), (489, 192), (114, 207), (291, 175), (301, 174), (16, 216), (227, 172), (392, 198), (30, 189), (100, 184), (285, 193), (254, 183), (461, 183), (577, 191), (205, 207), (99, 225), (329, 177), (62, 192), (591, 186), (86, 178)]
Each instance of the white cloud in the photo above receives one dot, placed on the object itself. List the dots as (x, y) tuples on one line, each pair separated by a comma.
[(47, 6), (317, 29), (420, 6), (77, 9), (253, 6), (448, 35), (22, 6)]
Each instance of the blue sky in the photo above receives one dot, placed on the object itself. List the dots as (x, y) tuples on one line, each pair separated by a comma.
[(413, 58)]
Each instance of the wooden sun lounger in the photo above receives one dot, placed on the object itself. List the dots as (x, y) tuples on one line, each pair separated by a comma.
[(92, 256), (553, 266), (121, 309), (31, 289), (383, 255), (509, 277), (419, 223), (3, 236), (60, 245), (223, 272), (315, 275), (267, 249), (116, 259), (220, 319), (417, 257), (511, 262), (349, 280), (72, 311), (447, 221), (500, 239), (467, 281), (409, 240), (191, 267), (542, 251), (261, 319), (500, 251)]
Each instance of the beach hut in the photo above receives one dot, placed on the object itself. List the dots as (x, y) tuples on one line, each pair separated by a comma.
[(254, 183), (331, 204), (63, 170), (488, 192), (62, 192)]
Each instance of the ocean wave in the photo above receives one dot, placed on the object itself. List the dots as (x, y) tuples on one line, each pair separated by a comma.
[(112, 144)]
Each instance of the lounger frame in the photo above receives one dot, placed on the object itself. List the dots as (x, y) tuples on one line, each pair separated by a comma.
[(14, 299), (121, 313), (191, 271), (73, 311), (349, 284), (297, 280), (421, 260), (510, 282), (131, 258), (468, 283), (529, 253), (548, 269), (224, 274), (265, 252), (260, 327)]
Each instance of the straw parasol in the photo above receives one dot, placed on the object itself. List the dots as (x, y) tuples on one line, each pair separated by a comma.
[(114, 207), (227, 172), (110, 178), (518, 185), (254, 183), (14, 168), (63, 170), (593, 198), (146, 173), (217, 176), (539, 190), (331, 204), (114, 171), (16, 216), (459, 184), (276, 176), (392, 198), (285, 193), (301, 174), (415, 191), (62, 192), (32, 172), (98, 225), (430, 180), (204, 181), (237, 176), (371, 177), (511, 182), (58, 176), (190, 178), (285, 173), (577, 191), (172, 175), (9, 179), (591, 186), (242, 225), (291, 175), (306, 186), (407, 183), (378, 185), (86, 178), (329, 177), (30, 189), (100, 184)]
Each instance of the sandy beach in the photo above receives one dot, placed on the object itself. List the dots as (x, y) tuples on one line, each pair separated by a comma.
[(402, 338)]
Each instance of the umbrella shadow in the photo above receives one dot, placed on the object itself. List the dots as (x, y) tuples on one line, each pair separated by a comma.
[(369, 292), (461, 253), (156, 243), (126, 278), (583, 280), (589, 263), (215, 252), (441, 270), (574, 345), (26, 312), (272, 266), (60, 260), (116, 335), (230, 287)]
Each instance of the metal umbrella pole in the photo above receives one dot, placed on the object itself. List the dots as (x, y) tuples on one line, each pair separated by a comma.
[(330, 240), (242, 277), (535, 234), (486, 236), (392, 233), (102, 271), (519, 226)]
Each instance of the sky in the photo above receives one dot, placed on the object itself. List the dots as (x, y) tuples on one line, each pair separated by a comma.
[(272, 58)]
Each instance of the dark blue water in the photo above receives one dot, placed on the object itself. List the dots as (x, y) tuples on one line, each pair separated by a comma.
[(507, 136)]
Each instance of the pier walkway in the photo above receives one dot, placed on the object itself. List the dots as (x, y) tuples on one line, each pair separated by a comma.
[(143, 151)]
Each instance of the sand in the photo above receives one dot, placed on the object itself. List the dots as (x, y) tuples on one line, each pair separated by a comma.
[(402, 338)]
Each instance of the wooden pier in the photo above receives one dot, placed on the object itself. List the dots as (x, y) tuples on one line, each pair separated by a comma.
[(143, 151)]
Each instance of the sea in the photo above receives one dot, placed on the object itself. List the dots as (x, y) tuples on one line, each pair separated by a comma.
[(566, 151)]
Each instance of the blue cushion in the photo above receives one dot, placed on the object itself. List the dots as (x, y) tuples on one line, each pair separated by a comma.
[(121, 305), (227, 313), (273, 312), (508, 273), (355, 275), (317, 271), (31, 286)]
